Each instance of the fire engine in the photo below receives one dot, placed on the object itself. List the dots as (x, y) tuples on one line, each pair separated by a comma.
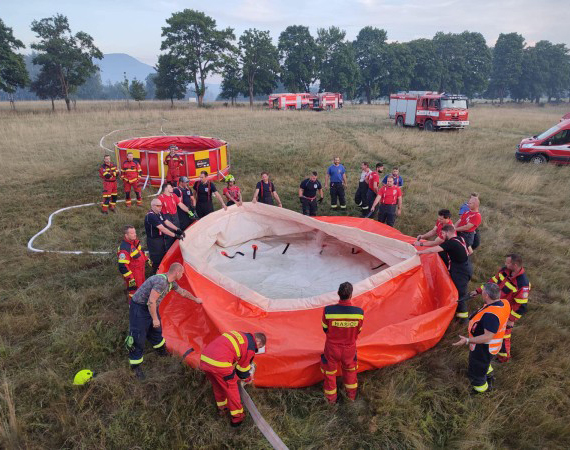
[(429, 110), (321, 101)]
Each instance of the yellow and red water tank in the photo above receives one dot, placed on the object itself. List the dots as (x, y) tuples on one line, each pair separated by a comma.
[(199, 154)]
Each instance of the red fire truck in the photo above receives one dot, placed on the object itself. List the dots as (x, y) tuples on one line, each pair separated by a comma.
[(321, 101), (291, 101), (429, 110), (328, 101)]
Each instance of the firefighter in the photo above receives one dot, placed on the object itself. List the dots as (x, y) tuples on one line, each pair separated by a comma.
[(265, 191), (157, 229), (170, 205), (203, 191), (390, 200), (462, 210), (453, 250), (398, 180), (342, 324), (131, 174), (373, 184), (184, 192), (308, 190), (131, 261), (486, 332), (515, 288), (443, 218), (336, 175), (360, 197), (108, 173), (144, 319), (469, 222), (227, 360), (174, 162), (231, 192)]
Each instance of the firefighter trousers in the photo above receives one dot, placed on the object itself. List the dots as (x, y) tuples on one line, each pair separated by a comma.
[(226, 393), (370, 197), (204, 208), (337, 196), (387, 214), (480, 370), (135, 187), (505, 352), (141, 329), (335, 359), (156, 251), (460, 275), (360, 197), (109, 195), (309, 206)]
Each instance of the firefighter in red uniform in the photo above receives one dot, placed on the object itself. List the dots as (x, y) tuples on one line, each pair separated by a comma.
[(227, 360), (108, 173), (131, 261), (515, 288), (486, 332), (342, 324), (174, 163), (131, 173), (390, 199)]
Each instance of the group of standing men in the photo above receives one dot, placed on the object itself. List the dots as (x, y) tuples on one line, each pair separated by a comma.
[(179, 205), (505, 295)]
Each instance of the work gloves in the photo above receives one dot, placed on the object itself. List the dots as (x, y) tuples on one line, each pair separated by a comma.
[(132, 283)]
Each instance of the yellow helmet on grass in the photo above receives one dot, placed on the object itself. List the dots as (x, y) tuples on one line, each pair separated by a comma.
[(82, 377)]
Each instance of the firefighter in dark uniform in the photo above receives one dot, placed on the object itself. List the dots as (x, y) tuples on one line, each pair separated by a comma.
[(184, 192), (265, 191), (486, 331), (108, 173), (342, 324), (144, 319), (336, 175), (157, 228), (308, 194), (131, 261), (360, 196), (453, 250), (515, 288), (204, 189)]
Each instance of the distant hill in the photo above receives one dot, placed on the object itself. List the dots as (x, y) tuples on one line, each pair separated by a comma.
[(114, 65)]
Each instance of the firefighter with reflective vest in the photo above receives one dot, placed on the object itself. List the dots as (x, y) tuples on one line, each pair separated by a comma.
[(131, 261), (455, 253), (174, 162), (203, 191), (131, 174), (342, 323), (108, 173), (227, 360), (144, 317), (487, 329), (515, 288)]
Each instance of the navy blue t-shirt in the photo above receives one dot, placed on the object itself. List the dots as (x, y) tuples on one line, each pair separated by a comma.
[(265, 192), (310, 188)]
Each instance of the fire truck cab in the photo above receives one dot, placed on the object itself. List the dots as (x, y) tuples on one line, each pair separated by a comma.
[(327, 101), (429, 110)]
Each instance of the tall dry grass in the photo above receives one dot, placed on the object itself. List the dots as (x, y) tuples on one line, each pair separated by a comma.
[(60, 313)]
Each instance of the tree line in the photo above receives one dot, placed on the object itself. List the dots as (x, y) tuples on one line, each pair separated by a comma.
[(368, 67)]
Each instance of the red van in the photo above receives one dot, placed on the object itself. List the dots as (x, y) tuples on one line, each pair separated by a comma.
[(553, 145)]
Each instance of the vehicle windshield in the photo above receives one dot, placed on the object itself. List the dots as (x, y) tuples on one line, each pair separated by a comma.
[(548, 132), (453, 103)]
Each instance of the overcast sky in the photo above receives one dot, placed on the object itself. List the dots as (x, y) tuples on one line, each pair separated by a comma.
[(134, 26)]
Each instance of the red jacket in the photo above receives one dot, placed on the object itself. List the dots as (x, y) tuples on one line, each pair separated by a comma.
[(108, 173), (342, 323), (232, 351), (131, 172), (130, 258), (174, 164), (514, 289)]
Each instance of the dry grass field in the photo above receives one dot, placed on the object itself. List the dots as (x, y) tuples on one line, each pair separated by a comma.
[(62, 313)]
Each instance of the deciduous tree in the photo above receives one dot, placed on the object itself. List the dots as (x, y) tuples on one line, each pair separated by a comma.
[(507, 64), (171, 79), (370, 52), (299, 55), (338, 71), (13, 73)]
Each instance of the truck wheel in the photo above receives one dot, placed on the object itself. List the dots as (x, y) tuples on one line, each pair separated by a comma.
[(428, 125), (538, 159), (400, 121)]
